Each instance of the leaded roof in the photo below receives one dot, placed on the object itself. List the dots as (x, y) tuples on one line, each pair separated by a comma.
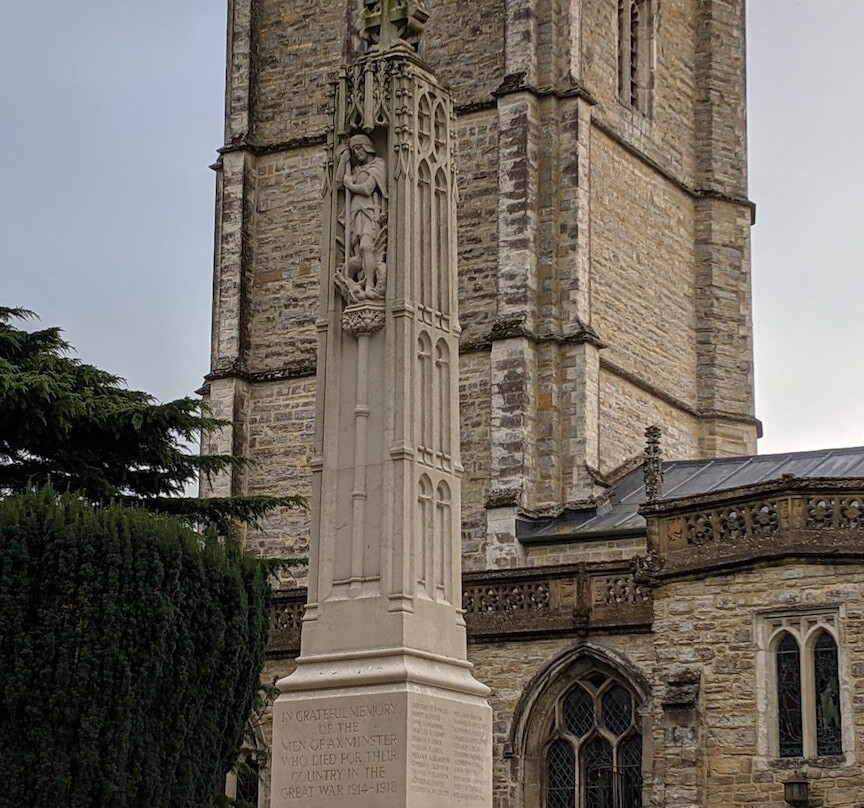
[(689, 478)]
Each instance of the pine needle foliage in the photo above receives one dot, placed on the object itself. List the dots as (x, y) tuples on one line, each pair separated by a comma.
[(130, 654), (81, 429)]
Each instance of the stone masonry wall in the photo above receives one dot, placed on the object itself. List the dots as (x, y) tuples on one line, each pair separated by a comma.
[(477, 175), (625, 406), (575, 211), (668, 136), (542, 555), (286, 257), (280, 434), (474, 416), (297, 50), (299, 47), (711, 756), (643, 270)]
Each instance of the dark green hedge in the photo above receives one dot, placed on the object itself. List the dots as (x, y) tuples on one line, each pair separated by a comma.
[(130, 651)]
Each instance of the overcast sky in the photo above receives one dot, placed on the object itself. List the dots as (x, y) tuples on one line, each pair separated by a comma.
[(112, 112)]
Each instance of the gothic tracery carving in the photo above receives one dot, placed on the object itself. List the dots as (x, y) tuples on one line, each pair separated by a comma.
[(528, 596), (393, 22)]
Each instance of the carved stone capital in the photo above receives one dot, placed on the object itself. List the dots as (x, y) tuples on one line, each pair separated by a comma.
[(363, 318), (502, 497)]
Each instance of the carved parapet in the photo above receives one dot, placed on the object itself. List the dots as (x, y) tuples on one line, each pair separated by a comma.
[(526, 596), (516, 604), (785, 517), (568, 599), (286, 617), (363, 318)]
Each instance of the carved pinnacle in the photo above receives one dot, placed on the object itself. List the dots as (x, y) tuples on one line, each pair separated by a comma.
[(652, 467)]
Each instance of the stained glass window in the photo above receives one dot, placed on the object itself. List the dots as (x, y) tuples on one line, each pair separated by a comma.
[(791, 734), (630, 766), (560, 775), (827, 680), (579, 713)]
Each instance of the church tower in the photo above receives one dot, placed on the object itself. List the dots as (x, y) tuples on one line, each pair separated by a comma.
[(500, 305), (602, 249)]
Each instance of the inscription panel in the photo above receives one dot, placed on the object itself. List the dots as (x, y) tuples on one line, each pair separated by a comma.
[(387, 750), (339, 751)]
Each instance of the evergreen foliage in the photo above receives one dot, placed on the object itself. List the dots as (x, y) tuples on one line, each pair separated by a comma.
[(131, 650), (80, 428)]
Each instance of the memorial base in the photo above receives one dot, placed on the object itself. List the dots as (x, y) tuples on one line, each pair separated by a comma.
[(402, 744)]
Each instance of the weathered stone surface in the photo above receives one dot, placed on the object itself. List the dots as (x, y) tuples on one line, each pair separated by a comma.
[(603, 285), (714, 636), (575, 211), (387, 749)]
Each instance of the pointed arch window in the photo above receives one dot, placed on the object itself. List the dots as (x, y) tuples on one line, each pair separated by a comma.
[(425, 533), (826, 681), (594, 755), (636, 53), (426, 404), (444, 538), (806, 688), (560, 775)]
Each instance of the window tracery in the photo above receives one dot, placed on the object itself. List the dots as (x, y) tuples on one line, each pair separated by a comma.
[(804, 697), (826, 679), (594, 757), (790, 731)]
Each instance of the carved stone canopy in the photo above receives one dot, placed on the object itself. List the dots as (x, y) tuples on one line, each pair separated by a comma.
[(389, 23)]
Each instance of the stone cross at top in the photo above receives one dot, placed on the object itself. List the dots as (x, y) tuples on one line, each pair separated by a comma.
[(389, 23)]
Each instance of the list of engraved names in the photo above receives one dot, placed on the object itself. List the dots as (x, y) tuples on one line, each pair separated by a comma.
[(446, 752)]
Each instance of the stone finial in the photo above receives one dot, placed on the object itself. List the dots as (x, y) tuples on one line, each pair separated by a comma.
[(652, 467), (386, 23)]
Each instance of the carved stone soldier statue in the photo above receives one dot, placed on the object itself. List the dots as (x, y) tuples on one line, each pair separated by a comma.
[(365, 183)]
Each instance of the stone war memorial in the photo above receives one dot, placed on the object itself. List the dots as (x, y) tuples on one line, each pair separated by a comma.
[(482, 294), (382, 709)]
